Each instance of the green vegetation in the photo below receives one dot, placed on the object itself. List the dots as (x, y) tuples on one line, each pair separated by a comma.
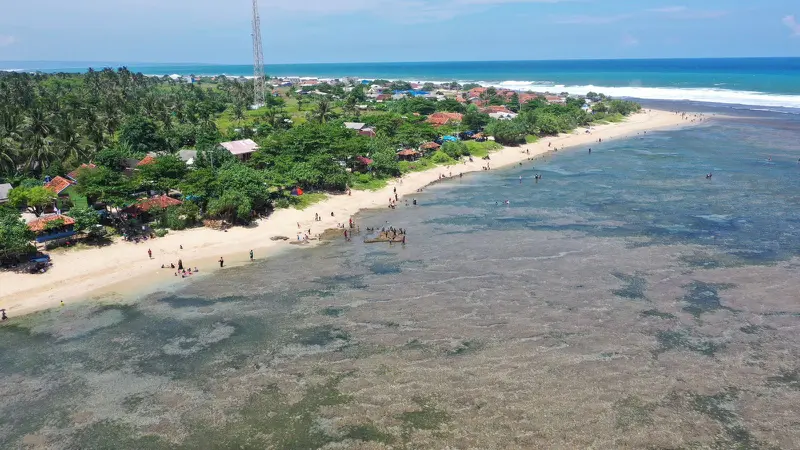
[(15, 236), (35, 198), (51, 124)]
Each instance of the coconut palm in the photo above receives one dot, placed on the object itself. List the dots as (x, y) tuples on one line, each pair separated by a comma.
[(323, 109)]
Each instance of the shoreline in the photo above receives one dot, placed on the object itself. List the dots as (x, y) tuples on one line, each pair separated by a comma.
[(123, 269)]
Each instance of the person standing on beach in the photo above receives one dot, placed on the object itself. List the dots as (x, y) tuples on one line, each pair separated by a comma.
[(221, 262), (149, 253), (180, 264), (251, 255)]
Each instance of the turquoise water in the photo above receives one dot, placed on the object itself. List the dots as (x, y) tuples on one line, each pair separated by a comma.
[(622, 301), (768, 82)]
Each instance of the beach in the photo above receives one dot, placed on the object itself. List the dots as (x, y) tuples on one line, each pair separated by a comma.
[(124, 268)]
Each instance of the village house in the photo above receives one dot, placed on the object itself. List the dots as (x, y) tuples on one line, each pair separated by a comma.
[(408, 155), (361, 128), (241, 149), (503, 115), (495, 109), (74, 174), (67, 195), (188, 156), (439, 119), (429, 147), (476, 92), (5, 188), (52, 227)]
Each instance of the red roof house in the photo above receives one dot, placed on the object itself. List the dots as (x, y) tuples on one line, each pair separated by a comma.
[(58, 184), (430, 146), (476, 92), (495, 109), (443, 118), (74, 174), (40, 224), (147, 160), (160, 202)]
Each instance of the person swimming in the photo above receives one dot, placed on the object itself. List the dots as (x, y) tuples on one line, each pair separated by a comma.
[(709, 175)]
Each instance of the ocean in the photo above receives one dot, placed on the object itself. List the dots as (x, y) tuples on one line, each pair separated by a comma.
[(757, 82), (622, 301)]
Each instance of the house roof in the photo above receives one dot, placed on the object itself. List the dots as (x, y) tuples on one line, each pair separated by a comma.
[(408, 152), (429, 145), (74, 174), (58, 184), (187, 156), (41, 223), (495, 109), (364, 160), (354, 125), (241, 147), (442, 118), (149, 159), (160, 201), (5, 188)]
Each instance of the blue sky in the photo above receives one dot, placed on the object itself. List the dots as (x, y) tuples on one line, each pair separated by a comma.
[(308, 31)]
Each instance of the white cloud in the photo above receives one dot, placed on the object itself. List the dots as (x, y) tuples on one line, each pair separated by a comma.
[(6, 40), (793, 25)]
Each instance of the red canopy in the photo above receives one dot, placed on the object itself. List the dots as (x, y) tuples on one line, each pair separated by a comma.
[(364, 160)]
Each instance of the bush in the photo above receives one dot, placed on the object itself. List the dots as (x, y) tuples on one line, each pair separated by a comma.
[(455, 149), (441, 157), (161, 232), (282, 203)]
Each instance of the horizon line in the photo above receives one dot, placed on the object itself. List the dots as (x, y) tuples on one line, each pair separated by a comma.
[(125, 64)]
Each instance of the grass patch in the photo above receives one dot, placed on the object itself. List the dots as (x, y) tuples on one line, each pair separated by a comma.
[(481, 149), (304, 201), (657, 313), (416, 166), (371, 184), (530, 139)]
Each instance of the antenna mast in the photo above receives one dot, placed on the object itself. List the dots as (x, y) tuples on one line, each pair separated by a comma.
[(259, 82)]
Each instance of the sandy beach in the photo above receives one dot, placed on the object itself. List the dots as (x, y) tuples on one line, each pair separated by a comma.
[(123, 268)]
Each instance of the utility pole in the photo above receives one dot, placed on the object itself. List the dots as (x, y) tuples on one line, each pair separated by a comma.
[(259, 83)]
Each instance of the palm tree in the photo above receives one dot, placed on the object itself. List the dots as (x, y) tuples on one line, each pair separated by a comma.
[(37, 138), (323, 109)]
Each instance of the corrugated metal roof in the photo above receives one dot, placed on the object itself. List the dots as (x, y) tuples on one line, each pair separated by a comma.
[(240, 147)]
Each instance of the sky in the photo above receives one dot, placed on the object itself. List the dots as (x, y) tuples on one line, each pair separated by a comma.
[(319, 31)]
